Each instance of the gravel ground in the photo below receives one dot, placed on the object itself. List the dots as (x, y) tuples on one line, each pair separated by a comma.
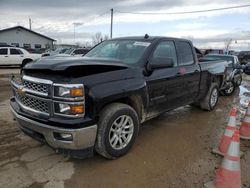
[(173, 150)]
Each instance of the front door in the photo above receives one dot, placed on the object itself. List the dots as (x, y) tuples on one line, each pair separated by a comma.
[(163, 83)]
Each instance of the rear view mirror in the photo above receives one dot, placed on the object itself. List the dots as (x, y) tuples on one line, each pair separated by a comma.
[(157, 63)]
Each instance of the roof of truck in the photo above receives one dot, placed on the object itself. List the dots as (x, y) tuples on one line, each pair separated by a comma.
[(149, 38)]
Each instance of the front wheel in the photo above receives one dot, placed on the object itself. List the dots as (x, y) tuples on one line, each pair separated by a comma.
[(210, 100), (117, 130)]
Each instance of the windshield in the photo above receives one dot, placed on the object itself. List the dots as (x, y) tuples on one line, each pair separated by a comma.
[(127, 51)]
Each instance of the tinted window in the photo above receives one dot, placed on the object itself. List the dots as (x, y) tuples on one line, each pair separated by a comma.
[(166, 49), (185, 53), (4, 51), (14, 51)]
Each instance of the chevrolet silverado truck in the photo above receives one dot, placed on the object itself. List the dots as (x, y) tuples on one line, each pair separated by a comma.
[(98, 102)]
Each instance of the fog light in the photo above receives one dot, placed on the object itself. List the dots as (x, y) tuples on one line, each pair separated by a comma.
[(63, 136)]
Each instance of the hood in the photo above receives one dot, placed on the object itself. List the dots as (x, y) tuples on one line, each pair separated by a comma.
[(74, 66)]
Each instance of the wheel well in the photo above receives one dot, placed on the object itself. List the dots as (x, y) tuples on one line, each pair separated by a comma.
[(27, 60), (218, 80), (135, 101)]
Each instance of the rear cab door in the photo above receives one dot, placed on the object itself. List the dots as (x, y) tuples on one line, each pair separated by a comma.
[(16, 56), (188, 70)]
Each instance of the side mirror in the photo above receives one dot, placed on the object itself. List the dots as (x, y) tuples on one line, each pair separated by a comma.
[(158, 63), (73, 54)]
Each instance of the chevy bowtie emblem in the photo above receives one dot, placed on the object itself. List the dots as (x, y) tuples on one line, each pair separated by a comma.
[(20, 90)]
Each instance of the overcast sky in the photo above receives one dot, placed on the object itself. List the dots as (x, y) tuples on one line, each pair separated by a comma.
[(56, 19)]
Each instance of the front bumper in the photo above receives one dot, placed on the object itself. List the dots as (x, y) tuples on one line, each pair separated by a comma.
[(82, 138)]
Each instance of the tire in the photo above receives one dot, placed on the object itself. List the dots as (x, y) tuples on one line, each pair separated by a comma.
[(108, 141), (25, 62), (210, 100), (230, 90)]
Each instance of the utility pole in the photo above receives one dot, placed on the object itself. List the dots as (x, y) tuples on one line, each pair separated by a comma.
[(111, 23), (74, 33), (30, 23)]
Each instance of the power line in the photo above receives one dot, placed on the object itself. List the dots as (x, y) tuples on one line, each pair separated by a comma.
[(98, 16), (185, 12)]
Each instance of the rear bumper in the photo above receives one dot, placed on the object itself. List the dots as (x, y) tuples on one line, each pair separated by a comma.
[(82, 138)]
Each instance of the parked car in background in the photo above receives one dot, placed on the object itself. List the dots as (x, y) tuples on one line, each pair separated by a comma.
[(6, 45), (244, 57), (36, 50), (234, 71), (232, 52), (55, 52), (74, 52), (16, 56), (213, 51), (80, 51), (98, 102)]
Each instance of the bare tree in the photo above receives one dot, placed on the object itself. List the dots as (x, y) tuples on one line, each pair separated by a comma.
[(98, 37), (228, 43)]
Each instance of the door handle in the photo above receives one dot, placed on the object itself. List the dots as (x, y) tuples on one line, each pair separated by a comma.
[(6, 56)]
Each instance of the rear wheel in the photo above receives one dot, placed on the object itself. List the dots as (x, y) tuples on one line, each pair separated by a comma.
[(25, 61), (117, 130), (210, 100), (229, 91)]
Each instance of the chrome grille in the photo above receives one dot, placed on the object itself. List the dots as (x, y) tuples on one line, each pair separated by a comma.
[(32, 103), (41, 88), (32, 85)]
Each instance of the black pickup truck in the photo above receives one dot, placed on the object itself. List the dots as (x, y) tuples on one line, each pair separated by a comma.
[(97, 103)]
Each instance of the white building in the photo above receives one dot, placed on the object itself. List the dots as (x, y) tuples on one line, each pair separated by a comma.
[(20, 36)]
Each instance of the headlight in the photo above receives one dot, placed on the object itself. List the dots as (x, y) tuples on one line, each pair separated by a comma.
[(69, 109), (68, 91)]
